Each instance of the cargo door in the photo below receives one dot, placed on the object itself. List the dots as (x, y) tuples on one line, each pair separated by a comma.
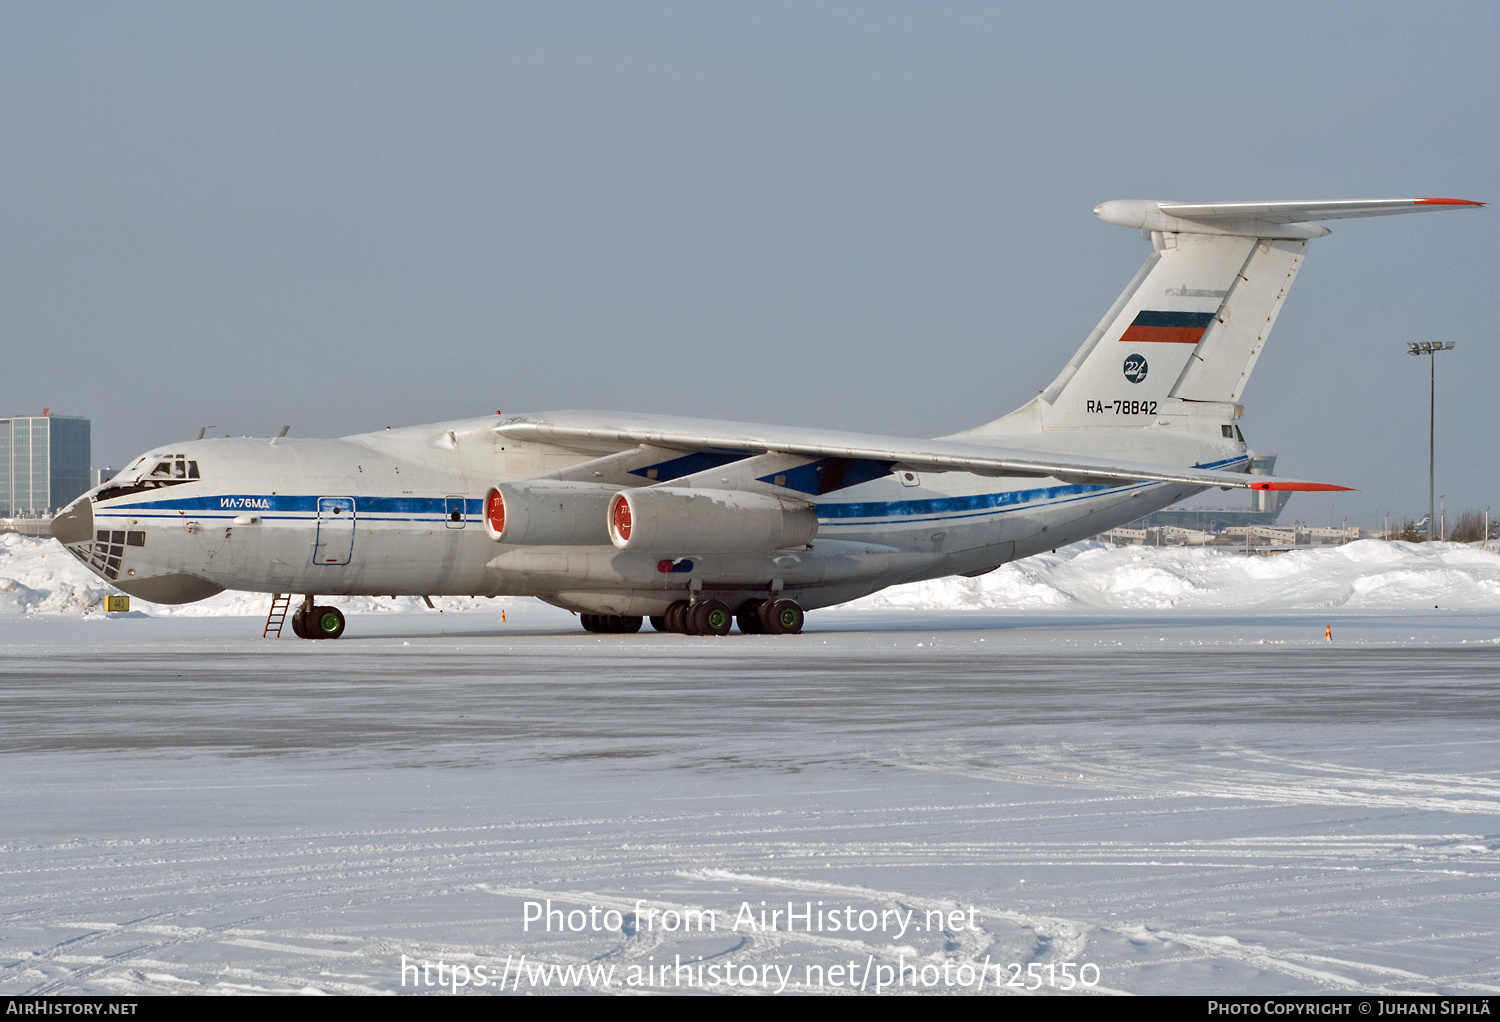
[(335, 539)]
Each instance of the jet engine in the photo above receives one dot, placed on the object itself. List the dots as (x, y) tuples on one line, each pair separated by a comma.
[(548, 512), (707, 521)]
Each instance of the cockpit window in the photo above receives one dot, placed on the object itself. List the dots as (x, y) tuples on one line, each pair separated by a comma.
[(176, 467), (172, 470)]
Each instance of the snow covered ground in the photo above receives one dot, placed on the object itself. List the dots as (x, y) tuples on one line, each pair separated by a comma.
[(1147, 762), (38, 577)]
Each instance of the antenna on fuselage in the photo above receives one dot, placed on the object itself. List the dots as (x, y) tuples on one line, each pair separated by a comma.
[(278, 436), (201, 431)]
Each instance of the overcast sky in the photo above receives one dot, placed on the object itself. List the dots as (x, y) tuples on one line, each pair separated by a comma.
[(863, 215)]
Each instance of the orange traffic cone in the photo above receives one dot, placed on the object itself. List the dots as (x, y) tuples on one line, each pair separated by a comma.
[(1328, 633)]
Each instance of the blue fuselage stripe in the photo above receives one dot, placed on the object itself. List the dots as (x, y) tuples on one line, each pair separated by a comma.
[(434, 510), (242, 503), (939, 508)]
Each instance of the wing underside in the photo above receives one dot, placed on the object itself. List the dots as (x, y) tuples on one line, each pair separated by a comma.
[(590, 431)]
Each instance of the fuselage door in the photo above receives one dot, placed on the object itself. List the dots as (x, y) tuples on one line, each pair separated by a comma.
[(454, 515), (335, 542)]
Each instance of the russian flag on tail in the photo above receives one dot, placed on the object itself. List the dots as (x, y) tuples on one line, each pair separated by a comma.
[(1167, 327)]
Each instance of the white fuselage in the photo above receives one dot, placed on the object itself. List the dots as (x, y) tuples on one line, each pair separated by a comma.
[(401, 512)]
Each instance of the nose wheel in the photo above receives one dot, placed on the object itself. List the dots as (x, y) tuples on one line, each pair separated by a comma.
[(310, 621)]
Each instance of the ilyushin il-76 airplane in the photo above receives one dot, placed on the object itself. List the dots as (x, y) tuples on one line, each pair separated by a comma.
[(697, 523)]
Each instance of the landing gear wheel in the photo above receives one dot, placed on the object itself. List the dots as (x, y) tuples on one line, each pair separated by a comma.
[(326, 623), (782, 617), (711, 617), (659, 622), (677, 617), (299, 624), (749, 618), (609, 624)]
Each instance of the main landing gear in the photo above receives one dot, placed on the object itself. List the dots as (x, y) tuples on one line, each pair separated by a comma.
[(713, 617), (609, 623), (313, 622)]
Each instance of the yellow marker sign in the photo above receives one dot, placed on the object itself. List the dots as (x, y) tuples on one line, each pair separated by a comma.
[(117, 604)]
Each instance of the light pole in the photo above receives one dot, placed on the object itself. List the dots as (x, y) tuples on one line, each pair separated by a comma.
[(1430, 348)]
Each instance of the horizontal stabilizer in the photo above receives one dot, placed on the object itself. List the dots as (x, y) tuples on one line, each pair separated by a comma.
[(1303, 212), (1259, 219), (1295, 484)]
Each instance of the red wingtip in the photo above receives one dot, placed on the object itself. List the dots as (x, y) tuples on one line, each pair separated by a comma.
[(1295, 485), (1447, 202)]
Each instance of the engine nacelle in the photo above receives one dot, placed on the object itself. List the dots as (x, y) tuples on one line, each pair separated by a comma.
[(548, 512), (707, 521)]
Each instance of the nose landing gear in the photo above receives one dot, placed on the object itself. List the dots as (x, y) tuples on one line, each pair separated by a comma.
[(313, 622)]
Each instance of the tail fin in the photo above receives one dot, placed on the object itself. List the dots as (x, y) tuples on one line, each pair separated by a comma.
[(1182, 339)]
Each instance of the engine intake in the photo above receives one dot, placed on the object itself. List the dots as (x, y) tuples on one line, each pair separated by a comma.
[(707, 521), (547, 512)]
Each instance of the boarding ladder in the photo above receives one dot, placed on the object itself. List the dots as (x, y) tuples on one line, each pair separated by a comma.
[(280, 602)]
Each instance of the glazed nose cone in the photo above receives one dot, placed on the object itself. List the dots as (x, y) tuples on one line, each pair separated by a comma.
[(75, 523)]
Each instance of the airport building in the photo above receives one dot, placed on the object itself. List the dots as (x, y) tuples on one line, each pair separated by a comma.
[(44, 463), (1264, 508)]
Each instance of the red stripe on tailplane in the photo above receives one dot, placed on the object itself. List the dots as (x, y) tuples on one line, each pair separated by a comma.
[(1446, 202), (1162, 334), (1298, 485)]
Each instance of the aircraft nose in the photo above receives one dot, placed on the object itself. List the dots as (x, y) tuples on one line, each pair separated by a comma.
[(75, 523)]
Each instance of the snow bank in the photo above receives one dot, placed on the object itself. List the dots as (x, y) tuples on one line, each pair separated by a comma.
[(37, 576), (1368, 574)]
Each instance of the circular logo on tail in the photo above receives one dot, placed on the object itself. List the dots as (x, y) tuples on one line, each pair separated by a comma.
[(1135, 368)]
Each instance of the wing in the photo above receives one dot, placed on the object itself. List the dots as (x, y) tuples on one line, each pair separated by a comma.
[(590, 430)]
